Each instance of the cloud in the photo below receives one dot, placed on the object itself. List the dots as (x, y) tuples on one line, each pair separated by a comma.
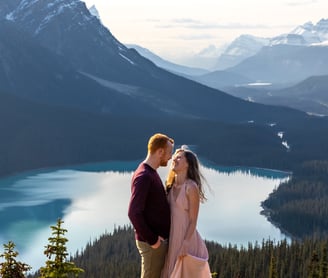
[(195, 24), (153, 20), (186, 21), (196, 37), (302, 3)]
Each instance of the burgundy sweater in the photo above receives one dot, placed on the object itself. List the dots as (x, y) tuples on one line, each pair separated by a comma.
[(149, 211)]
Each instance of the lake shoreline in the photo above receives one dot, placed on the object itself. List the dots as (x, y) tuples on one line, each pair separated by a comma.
[(267, 213), (205, 162), (34, 200)]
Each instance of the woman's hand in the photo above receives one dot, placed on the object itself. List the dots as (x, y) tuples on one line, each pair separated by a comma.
[(184, 248)]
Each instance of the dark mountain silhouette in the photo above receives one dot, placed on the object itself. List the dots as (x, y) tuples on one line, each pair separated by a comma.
[(314, 87), (76, 95), (68, 30), (39, 74), (310, 95), (35, 135)]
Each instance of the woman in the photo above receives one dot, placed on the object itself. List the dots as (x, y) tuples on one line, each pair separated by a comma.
[(187, 255)]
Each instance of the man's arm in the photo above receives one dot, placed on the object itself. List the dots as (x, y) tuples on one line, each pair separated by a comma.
[(136, 211)]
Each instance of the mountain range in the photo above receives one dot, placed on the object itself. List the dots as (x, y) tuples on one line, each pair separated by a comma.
[(160, 62), (279, 65), (57, 57), (85, 49), (245, 46)]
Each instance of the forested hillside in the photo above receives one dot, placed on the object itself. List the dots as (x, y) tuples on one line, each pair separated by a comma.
[(300, 206), (35, 135), (115, 256)]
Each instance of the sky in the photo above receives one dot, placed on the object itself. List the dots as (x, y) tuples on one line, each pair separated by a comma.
[(179, 29)]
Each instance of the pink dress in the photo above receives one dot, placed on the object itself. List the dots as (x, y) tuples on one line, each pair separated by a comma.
[(179, 224)]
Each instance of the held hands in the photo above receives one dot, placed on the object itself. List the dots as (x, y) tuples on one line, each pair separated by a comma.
[(158, 243)]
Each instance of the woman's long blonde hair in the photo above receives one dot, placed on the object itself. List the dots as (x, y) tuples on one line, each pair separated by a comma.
[(193, 172)]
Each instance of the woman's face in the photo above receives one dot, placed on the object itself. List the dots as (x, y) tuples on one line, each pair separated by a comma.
[(179, 162)]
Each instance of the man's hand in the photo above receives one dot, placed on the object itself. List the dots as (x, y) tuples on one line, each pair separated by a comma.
[(158, 243)]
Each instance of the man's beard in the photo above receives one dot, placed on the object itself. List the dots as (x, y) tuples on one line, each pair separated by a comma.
[(163, 163)]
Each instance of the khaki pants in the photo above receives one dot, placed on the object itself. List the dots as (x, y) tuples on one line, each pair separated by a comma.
[(152, 260)]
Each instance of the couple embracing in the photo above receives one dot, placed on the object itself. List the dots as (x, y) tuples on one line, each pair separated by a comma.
[(165, 219)]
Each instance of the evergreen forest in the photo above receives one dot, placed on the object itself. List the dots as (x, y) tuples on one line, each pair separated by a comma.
[(115, 255), (300, 206)]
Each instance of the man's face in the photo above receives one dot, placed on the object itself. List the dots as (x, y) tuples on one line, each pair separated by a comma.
[(166, 154)]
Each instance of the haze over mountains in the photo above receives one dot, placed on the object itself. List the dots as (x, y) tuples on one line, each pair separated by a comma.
[(70, 64), (280, 62)]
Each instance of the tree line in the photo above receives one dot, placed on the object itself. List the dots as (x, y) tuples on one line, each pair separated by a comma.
[(37, 135), (300, 205), (115, 255)]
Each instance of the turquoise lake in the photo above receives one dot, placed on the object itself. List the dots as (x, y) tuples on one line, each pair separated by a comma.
[(93, 199)]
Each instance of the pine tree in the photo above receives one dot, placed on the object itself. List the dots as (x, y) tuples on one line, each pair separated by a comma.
[(10, 267), (314, 266), (324, 262), (57, 266), (273, 268)]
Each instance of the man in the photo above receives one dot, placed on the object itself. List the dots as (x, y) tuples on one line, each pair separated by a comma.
[(149, 211)]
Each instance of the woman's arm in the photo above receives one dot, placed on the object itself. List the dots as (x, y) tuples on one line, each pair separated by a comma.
[(193, 202)]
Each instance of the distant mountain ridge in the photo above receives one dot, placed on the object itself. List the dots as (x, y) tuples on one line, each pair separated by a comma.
[(241, 48), (285, 59), (246, 46), (174, 68), (313, 33), (309, 95), (284, 63)]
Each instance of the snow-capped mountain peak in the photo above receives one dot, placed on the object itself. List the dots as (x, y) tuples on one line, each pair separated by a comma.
[(39, 13), (246, 45), (292, 39), (306, 34), (322, 29), (301, 29), (241, 48), (24, 4), (93, 11), (312, 34), (71, 24)]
